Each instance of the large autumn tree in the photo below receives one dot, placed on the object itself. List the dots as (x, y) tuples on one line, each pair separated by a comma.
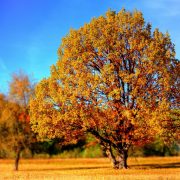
[(112, 80), (15, 130)]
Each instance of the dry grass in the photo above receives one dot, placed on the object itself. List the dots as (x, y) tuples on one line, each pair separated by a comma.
[(139, 168)]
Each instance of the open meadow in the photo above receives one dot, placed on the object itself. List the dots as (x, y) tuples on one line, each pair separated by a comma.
[(97, 168)]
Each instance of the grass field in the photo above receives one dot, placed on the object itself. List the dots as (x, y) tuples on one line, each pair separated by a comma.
[(139, 168)]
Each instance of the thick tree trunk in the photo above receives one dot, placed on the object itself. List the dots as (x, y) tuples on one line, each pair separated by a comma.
[(17, 159), (119, 162), (111, 156), (122, 160)]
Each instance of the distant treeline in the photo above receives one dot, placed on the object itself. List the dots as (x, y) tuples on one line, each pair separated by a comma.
[(87, 148)]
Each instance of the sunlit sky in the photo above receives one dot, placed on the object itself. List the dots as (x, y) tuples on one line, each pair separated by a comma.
[(31, 30)]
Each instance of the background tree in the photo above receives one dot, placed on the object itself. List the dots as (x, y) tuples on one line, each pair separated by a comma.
[(112, 80), (14, 116), (3, 128)]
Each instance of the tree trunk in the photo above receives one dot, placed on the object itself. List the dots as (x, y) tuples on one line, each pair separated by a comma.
[(32, 153), (111, 156), (119, 162), (17, 159), (122, 160)]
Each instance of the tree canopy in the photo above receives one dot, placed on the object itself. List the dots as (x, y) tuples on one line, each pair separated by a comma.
[(113, 80)]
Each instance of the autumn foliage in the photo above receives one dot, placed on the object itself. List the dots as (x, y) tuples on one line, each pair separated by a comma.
[(112, 80), (15, 128)]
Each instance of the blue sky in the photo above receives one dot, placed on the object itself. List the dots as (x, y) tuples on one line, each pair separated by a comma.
[(31, 30)]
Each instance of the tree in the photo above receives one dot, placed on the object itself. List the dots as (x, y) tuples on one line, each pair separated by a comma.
[(15, 130), (3, 129), (112, 80)]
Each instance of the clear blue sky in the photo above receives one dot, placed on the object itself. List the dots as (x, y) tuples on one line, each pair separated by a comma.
[(31, 30)]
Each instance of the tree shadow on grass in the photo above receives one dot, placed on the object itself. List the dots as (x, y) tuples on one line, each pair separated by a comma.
[(138, 166), (66, 169), (156, 166)]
